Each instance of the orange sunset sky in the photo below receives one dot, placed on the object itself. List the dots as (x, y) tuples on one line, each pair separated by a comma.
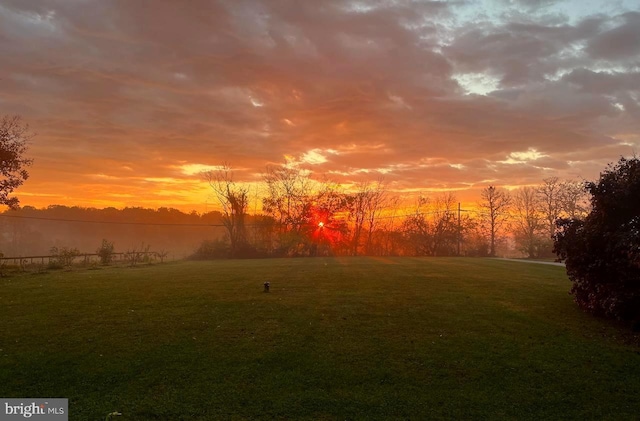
[(131, 99)]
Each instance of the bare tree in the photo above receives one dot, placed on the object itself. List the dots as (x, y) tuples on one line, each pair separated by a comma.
[(417, 230), (328, 228), (434, 228), (444, 236), (527, 220), (574, 199), (550, 195), (357, 212), (288, 192), (388, 235), (234, 200), (365, 206), (14, 136), (378, 201), (289, 202), (494, 205)]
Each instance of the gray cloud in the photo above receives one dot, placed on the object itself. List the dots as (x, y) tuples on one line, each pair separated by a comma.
[(620, 43)]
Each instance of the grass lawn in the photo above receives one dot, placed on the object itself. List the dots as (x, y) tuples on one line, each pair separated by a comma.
[(337, 338)]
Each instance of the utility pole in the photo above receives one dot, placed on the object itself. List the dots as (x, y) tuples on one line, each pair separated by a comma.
[(459, 231)]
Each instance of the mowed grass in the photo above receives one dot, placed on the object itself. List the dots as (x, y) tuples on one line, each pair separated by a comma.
[(336, 338)]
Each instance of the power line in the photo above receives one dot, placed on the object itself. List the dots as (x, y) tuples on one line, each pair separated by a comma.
[(85, 221), (407, 215), (110, 222)]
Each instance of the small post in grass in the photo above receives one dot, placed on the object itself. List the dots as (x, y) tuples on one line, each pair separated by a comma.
[(266, 286)]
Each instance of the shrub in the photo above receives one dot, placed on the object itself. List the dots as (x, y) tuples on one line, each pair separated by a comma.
[(162, 254), (602, 253), (63, 257), (211, 249), (105, 251), (137, 255)]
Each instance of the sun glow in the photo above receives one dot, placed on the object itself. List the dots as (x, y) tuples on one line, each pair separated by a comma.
[(530, 154), (196, 169)]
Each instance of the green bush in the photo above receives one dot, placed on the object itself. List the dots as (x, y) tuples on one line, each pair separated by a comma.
[(63, 257), (212, 249), (602, 252), (105, 251)]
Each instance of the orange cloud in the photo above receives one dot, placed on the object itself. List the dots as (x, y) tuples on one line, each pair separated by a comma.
[(431, 95)]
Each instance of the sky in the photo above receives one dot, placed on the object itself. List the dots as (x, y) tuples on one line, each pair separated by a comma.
[(131, 100)]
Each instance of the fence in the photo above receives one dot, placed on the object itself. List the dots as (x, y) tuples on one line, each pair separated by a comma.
[(83, 258)]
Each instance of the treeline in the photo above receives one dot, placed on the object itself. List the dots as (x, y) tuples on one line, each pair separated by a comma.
[(28, 231), (307, 217)]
